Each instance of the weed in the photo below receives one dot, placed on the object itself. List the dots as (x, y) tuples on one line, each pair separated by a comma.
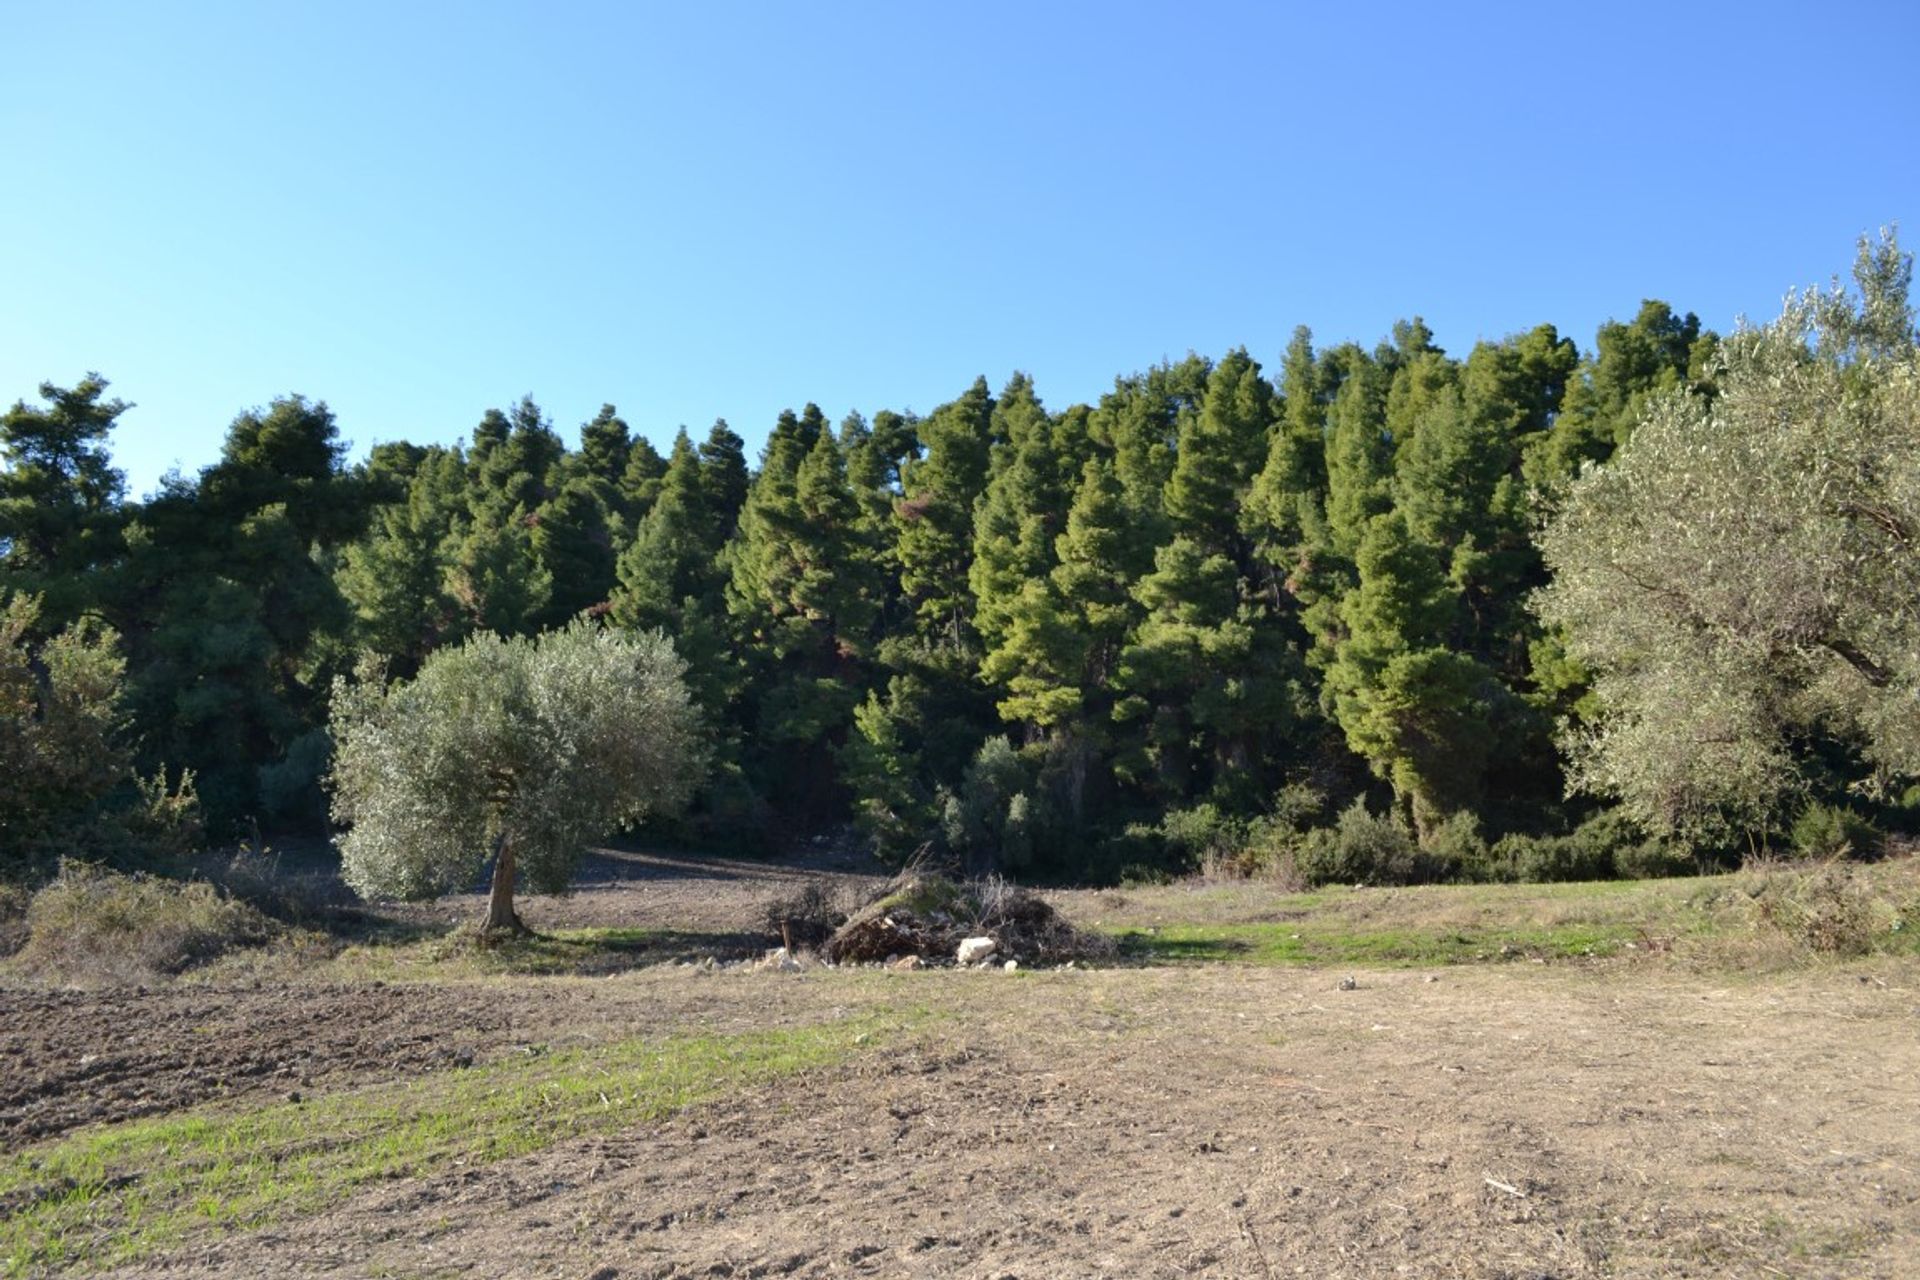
[(94, 925), (1836, 909)]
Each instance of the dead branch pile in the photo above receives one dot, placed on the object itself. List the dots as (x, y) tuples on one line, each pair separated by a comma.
[(927, 915)]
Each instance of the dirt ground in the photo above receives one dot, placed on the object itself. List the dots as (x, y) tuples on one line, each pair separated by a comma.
[(1518, 1121)]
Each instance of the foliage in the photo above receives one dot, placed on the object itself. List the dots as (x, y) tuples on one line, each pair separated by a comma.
[(1073, 639), (1832, 831), (1740, 577), (988, 824), (1361, 848), (519, 750), (60, 752)]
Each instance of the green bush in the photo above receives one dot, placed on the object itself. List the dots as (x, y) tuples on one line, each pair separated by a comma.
[(1454, 846), (1833, 831), (1606, 845), (1361, 848), (989, 823), (1205, 839), (91, 924)]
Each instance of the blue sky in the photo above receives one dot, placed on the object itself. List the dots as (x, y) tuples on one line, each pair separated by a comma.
[(416, 211)]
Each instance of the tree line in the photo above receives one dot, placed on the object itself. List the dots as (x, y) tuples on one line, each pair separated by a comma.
[(1046, 641)]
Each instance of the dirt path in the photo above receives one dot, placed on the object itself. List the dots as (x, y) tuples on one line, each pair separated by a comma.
[(689, 893), (1510, 1122)]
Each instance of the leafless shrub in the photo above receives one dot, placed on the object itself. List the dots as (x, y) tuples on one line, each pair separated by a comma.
[(806, 918)]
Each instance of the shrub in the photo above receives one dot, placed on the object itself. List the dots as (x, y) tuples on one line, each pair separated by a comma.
[(291, 787), (1454, 845), (168, 820), (253, 873), (1836, 910), (90, 924), (13, 917), (989, 824), (1606, 845), (1205, 839), (61, 754), (1361, 848), (1832, 831)]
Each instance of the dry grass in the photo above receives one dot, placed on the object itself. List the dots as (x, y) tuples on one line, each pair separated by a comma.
[(91, 926)]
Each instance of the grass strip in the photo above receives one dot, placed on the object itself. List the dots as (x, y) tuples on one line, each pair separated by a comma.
[(1302, 943), (115, 1194)]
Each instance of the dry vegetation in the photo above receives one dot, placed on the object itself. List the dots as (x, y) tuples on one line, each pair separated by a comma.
[(1694, 1077)]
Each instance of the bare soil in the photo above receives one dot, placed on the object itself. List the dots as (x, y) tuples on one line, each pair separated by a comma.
[(1517, 1121)]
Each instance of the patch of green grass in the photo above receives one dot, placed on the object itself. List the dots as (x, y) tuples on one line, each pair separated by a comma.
[(1311, 942), (111, 1195)]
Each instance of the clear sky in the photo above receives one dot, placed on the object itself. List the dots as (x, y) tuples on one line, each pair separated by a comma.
[(415, 211)]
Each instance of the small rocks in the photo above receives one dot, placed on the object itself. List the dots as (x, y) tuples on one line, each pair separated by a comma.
[(1012, 966), (906, 964), (976, 950), (782, 960), (1349, 983)]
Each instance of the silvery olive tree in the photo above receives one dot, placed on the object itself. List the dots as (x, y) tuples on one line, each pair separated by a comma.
[(521, 751), (1742, 578)]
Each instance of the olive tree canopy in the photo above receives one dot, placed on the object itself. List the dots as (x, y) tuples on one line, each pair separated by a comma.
[(519, 750), (1742, 578)]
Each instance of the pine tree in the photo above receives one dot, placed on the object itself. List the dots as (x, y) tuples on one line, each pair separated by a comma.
[(1413, 708), (803, 602), (1220, 450), (229, 606), (606, 443), (1021, 513), (573, 539), (935, 542), (723, 463), (640, 479), (1632, 363), (60, 517), (1065, 633), (394, 578), (672, 557)]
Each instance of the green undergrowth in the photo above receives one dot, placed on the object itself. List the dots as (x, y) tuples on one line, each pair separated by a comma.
[(1243, 923), (1771, 915), (106, 1196), (1285, 944)]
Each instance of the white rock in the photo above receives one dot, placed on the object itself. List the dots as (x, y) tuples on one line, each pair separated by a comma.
[(976, 950), (1012, 966)]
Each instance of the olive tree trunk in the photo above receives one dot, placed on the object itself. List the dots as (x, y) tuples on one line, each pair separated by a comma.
[(501, 917)]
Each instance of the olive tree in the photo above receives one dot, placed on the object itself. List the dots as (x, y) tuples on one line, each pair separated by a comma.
[(60, 720), (1742, 578), (521, 751)]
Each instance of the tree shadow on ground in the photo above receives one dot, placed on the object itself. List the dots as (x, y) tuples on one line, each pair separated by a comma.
[(1150, 948)]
